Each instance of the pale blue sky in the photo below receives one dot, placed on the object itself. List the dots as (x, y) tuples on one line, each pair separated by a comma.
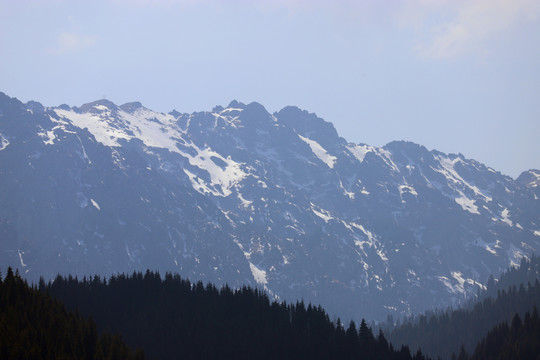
[(457, 76)]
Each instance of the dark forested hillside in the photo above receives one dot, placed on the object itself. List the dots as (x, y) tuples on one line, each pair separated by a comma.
[(35, 326), (173, 318), (527, 272), (518, 340), (441, 333)]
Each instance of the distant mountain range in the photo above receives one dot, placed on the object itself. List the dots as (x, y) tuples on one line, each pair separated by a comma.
[(240, 196)]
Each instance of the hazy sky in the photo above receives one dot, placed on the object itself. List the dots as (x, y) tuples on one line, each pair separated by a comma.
[(456, 76)]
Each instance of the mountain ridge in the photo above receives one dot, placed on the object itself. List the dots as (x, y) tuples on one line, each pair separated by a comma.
[(242, 196)]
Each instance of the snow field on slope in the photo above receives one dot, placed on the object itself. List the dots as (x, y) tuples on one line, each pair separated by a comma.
[(320, 152), (160, 131)]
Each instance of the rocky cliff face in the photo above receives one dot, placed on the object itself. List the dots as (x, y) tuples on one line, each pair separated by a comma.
[(242, 196)]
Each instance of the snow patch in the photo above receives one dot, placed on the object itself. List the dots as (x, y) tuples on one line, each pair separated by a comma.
[(534, 183), (467, 204), (285, 260), (489, 249), (368, 233), (320, 152), (21, 253), (461, 281), (406, 189), (360, 151), (129, 254), (350, 194), (387, 158), (152, 128), (95, 204), (382, 255), (245, 203), (222, 179), (101, 107), (258, 274), (505, 217), (104, 131), (536, 232), (48, 136), (458, 184), (3, 142), (323, 214)]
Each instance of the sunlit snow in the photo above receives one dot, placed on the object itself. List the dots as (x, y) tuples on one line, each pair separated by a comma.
[(467, 204), (481, 243), (320, 152), (258, 274), (460, 280), (158, 130), (21, 253), (323, 214), (245, 203), (407, 189), (3, 142), (350, 194), (47, 136), (536, 181), (226, 177), (382, 255), (505, 217), (458, 184), (360, 151), (95, 204)]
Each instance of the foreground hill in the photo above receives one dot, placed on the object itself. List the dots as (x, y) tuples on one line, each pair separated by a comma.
[(519, 340), (33, 325), (241, 196), (172, 318)]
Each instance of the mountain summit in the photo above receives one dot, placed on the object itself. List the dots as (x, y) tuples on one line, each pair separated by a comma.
[(241, 196)]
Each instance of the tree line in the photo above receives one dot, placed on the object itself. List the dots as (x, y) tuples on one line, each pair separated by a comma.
[(172, 318)]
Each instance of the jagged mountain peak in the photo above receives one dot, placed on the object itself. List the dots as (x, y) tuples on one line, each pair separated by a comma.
[(254, 113), (34, 106), (405, 146), (177, 114), (131, 107), (6, 99), (234, 104), (530, 179), (308, 125), (98, 106)]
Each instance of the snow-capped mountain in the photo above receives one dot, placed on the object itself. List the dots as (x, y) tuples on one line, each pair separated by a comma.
[(242, 196)]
